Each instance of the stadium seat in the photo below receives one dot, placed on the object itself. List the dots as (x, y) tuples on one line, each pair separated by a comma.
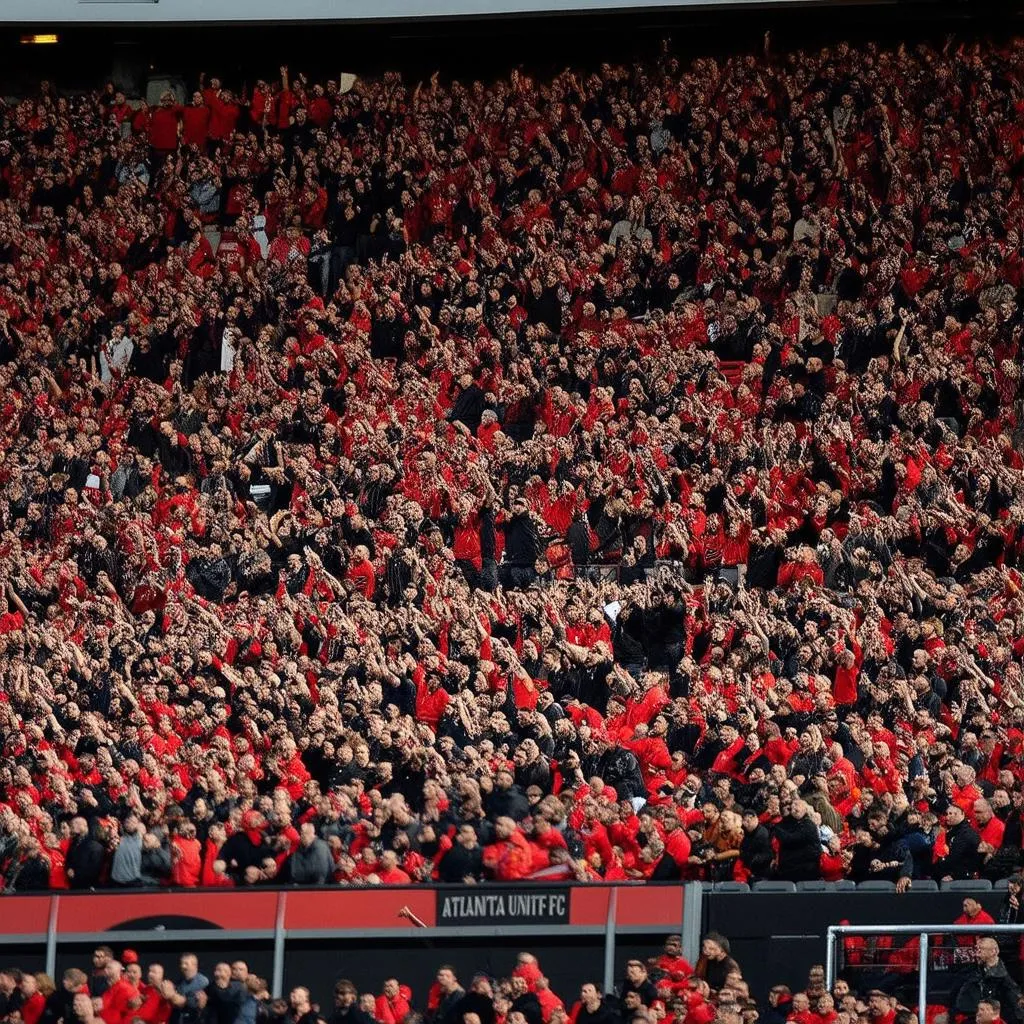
[(924, 885), (967, 885), (731, 887), (770, 885), (1001, 885), (813, 885), (844, 885), (876, 886)]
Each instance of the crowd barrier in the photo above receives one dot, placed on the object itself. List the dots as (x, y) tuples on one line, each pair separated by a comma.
[(910, 965), (407, 922), (777, 936), (580, 932)]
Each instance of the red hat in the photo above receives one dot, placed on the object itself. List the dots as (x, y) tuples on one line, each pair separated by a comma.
[(129, 956)]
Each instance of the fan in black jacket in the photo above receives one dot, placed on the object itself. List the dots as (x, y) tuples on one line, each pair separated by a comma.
[(84, 861), (962, 859), (798, 844), (247, 847), (755, 847), (988, 980), (32, 872)]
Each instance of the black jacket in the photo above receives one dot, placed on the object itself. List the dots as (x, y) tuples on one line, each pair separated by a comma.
[(529, 1006), (619, 768), (239, 849), (85, 859), (962, 860), (799, 849), (352, 1015), (756, 853), (224, 1003), (507, 803), (459, 862), (32, 875), (449, 1009), (981, 983)]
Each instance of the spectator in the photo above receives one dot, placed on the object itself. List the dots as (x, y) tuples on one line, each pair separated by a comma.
[(224, 996), (591, 1007), (392, 1005), (987, 980), (780, 1005), (311, 863), (346, 1009), (302, 1009), (637, 981), (126, 864), (550, 1004), (798, 845), (187, 996), (117, 1004), (83, 1009), (449, 994), (463, 861), (987, 1012), (973, 913), (35, 990), (11, 995), (84, 861), (508, 857), (756, 855), (616, 440), (961, 844), (715, 964)]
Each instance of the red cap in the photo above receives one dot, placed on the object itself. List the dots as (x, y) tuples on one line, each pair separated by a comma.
[(129, 956)]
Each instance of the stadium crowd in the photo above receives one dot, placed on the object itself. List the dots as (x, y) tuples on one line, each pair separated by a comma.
[(614, 475), (663, 989)]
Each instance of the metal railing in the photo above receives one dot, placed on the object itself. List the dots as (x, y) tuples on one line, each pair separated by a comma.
[(837, 932)]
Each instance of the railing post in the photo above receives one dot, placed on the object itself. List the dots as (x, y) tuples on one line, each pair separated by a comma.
[(277, 984), (922, 981), (693, 909), (51, 937), (830, 958), (609, 941)]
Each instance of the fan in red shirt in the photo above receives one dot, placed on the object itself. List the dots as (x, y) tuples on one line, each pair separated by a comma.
[(33, 1001), (509, 857), (973, 913), (989, 1012), (195, 123), (990, 829), (164, 123), (361, 571), (881, 1007), (118, 1002), (393, 1004), (155, 1008), (549, 1001), (388, 870), (672, 961)]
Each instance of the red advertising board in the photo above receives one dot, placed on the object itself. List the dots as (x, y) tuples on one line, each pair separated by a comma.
[(659, 908)]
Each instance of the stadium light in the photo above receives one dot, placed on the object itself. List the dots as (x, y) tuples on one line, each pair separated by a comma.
[(44, 39)]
